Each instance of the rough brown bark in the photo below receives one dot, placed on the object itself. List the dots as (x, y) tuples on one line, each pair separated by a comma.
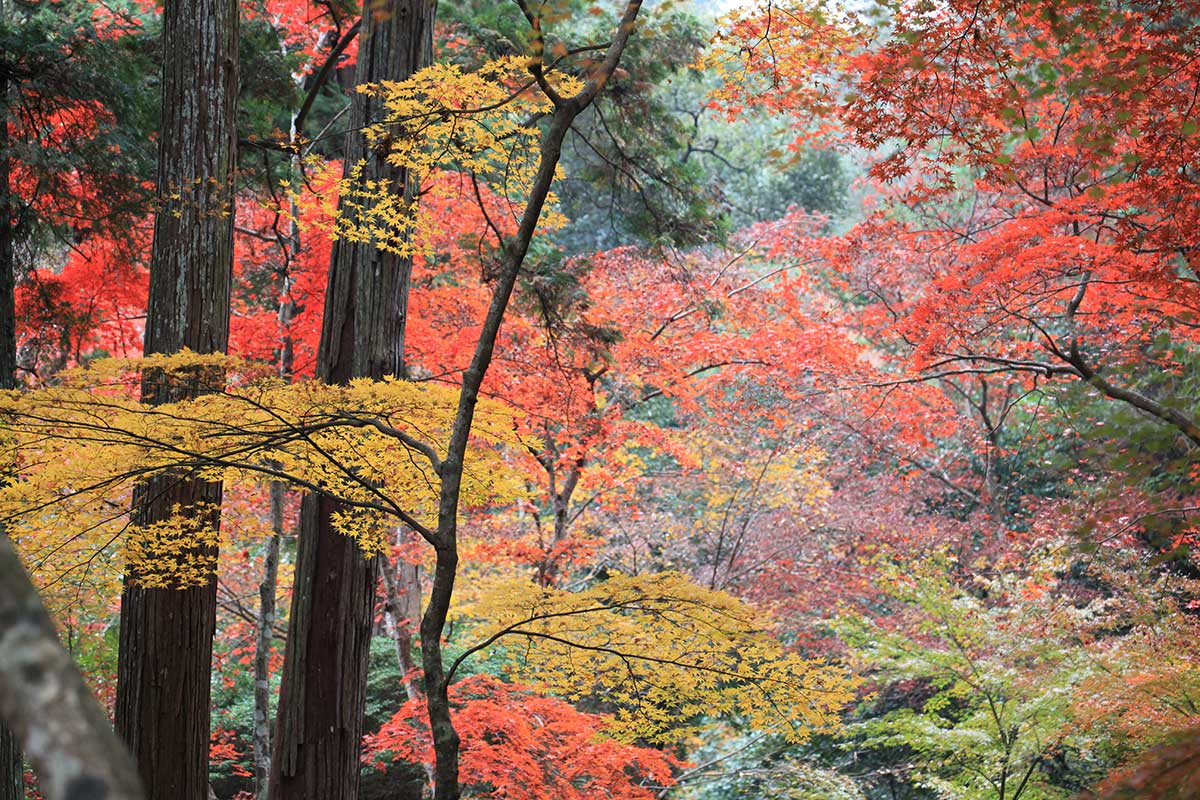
[(12, 766), (165, 661), (11, 762), (322, 695), (11, 787), (44, 699)]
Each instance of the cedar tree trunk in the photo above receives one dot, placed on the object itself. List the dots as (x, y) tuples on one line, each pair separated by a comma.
[(165, 660), (322, 696), (11, 766)]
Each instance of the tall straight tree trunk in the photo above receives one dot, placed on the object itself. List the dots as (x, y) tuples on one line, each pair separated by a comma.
[(12, 769), (322, 696), (11, 764), (165, 661)]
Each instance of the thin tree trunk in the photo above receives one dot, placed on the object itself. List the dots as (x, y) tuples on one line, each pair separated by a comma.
[(8, 254), (446, 740), (264, 636), (322, 697), (11, 763), (401, 610), (165, 660), (514, 250), (265, 633)]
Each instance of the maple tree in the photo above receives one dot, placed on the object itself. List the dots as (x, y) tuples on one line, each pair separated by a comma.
[(557, 747), (685, 431), (1070, 259), (1030, 235)]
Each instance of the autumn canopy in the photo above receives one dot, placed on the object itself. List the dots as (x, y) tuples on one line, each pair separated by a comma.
[(774, 401)]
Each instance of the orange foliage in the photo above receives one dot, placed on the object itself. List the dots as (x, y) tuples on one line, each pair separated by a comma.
[(521, 746)]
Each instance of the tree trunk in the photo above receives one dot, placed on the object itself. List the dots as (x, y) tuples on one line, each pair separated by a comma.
[(401, 609), (515, 248), (8, 254), (322, 696), (165, 661), (43, 697), (11, 769), (264, 636), (265, 633), (12, 766)]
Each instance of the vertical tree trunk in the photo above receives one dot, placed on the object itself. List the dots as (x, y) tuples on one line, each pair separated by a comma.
[(322, 696), (401, 609), (265, 633), (264, 636), (165, 660), (8, 255), (11, 763), (12, 766)]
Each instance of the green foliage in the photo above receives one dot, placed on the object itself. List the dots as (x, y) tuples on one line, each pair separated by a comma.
[(269, 94), (631, 173), (747, 766), (80, 114), (975, 687)]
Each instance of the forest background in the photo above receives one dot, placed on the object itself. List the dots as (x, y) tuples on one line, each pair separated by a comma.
[(774, 402)]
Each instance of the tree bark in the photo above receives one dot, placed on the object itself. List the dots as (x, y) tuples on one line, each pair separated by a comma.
[(11, 769), (401, 608), (165, 659), (322, 697), (265, 633), (264, 636), (43, 697), (12, 765)]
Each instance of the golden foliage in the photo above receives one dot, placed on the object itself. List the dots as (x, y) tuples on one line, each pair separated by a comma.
[(666, 652), (445, 118), (79, 449)]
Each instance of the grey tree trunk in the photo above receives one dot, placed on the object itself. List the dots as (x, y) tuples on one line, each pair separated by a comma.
[(43, 697), (265, 632), (165, 659), (264, 636), (322, 696)]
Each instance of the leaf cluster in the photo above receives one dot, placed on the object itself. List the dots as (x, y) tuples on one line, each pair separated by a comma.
[(479, 122), (78, 450), (662, 653)]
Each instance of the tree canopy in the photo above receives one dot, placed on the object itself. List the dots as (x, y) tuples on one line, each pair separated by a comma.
[(787, 401)]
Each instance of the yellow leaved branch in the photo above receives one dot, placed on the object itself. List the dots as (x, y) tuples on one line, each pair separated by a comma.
[(78, 451), (482, 123), (667, 654)]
